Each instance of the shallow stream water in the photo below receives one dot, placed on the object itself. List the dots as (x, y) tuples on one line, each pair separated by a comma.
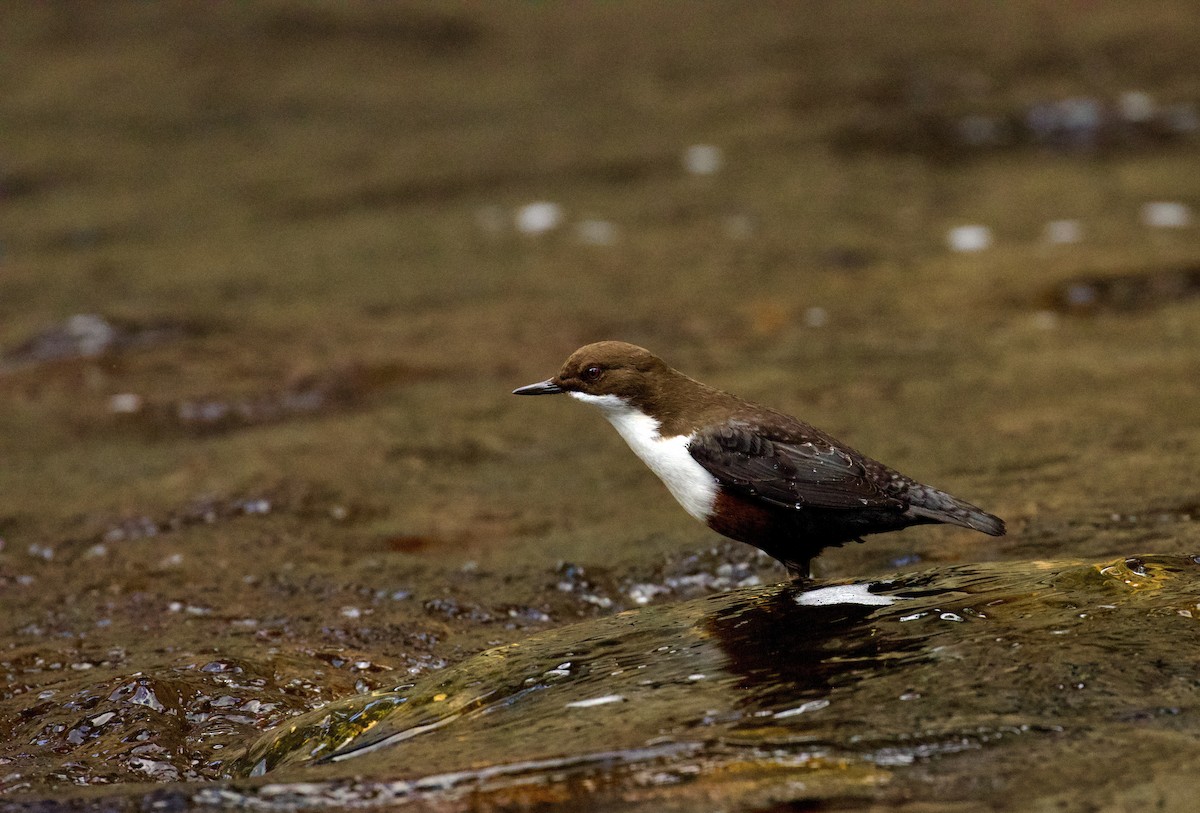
[(841, 686), (837, 693)]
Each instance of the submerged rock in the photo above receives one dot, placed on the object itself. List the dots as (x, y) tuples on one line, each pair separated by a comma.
[(88, 336), (869, 676), (1130, 291)]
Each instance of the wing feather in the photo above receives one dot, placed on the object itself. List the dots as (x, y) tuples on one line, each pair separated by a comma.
[(790, 466)]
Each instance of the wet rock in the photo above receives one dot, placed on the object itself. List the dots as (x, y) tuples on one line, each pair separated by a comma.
[(333, 390), (969, 239), (142, 727), (89, 336), (200, 512), (723, 567), (293, 499), (538, 218), (968, 658), (452, 608), (1156, 515), (125, 403), (595, 591), (719, 568), (703, 159), (950, 125), (1136, 290), (1166, 214)]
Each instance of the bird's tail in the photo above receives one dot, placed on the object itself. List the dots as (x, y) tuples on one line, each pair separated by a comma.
[(938, 506)]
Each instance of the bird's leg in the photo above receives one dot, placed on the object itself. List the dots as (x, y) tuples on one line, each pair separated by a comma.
[(799, 571)]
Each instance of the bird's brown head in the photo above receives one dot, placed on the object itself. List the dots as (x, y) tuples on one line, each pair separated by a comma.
[(605, 368), (615, 376)]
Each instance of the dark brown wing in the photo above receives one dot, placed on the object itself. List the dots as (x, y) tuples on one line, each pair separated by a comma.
[(790, 466)]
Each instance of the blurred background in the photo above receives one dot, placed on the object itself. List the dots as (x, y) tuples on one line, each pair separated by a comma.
[(269, 271)]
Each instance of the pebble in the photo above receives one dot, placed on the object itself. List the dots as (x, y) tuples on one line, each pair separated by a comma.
[(1166, 215), (256, 507), (644, 593), (125, 403), (41, 551), (92, 334), (538, 217), (703, 159), (1136, 106), (1063, 232), (969, 239)]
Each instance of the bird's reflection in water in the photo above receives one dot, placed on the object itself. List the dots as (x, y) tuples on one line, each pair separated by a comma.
[(796, 643)]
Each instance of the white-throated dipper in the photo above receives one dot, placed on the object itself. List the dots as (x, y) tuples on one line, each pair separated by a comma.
[(749, 472)]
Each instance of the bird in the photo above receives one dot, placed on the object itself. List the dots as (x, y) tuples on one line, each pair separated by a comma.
[(749, 472)]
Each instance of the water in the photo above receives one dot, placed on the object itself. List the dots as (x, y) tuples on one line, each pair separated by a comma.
[(850, 686)]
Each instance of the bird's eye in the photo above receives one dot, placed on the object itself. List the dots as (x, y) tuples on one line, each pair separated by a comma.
[(591, 373)]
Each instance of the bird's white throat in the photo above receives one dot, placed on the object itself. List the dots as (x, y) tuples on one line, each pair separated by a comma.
[(668, 457)]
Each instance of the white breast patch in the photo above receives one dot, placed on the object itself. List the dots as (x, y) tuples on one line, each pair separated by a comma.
[(687, 480)]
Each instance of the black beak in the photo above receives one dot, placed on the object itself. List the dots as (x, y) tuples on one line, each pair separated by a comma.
[(547, 387)]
